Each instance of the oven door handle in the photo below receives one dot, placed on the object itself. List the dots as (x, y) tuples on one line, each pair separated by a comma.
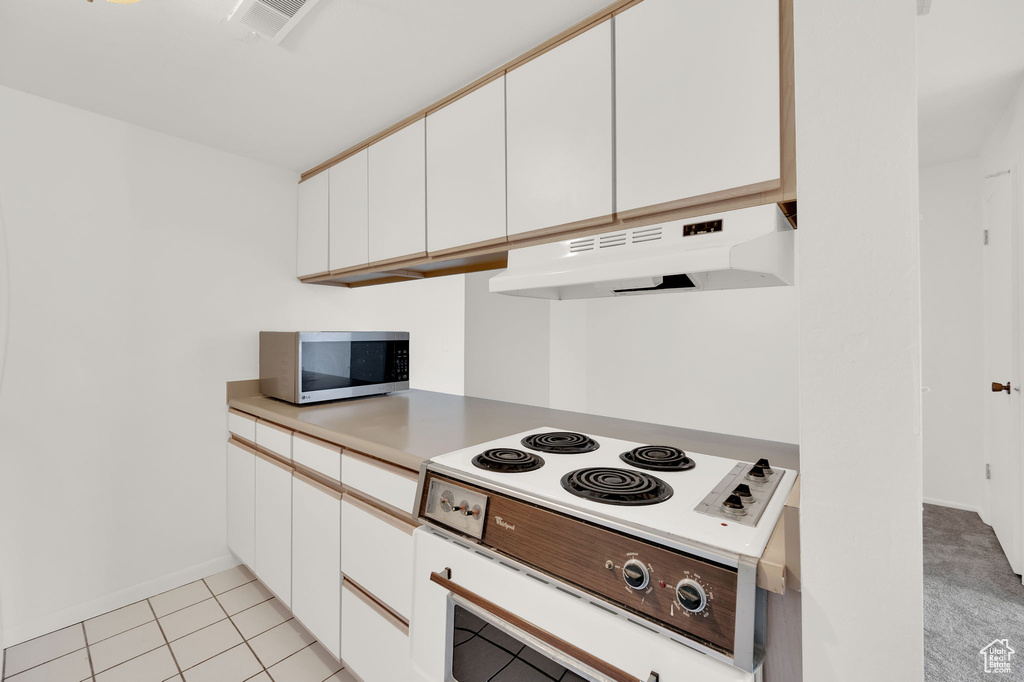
[(551, 640)]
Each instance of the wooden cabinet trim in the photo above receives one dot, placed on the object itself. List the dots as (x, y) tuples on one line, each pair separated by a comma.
[(402, 523), (333, 447), (327, 490), (239, 443), (276, 427), (387, 614), (590, 22), (243, 415), (475, 247), (787, 101), (381, 464), (267, 456)]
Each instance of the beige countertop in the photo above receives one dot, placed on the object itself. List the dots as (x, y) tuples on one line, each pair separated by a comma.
[(408, 427)]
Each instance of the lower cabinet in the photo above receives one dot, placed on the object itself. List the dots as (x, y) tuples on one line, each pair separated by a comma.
[(374, 644), (241, 501), (273, 555), (369, 532), (316, 557)]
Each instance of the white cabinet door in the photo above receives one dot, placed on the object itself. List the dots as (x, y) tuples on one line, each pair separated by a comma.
[(316, 552), (559, 109), (697, 98), (273, 563), (398, 194), (388, 484), (374, 644), (313, 238), (370, 532), (242, 502), (349, 216), (466, 170)]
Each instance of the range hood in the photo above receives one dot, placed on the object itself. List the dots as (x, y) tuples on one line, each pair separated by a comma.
[(751, 247)]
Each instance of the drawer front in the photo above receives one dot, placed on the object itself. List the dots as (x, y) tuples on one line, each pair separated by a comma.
[(273, 564), (390, 485), (324, 458), (376, 553), (241, 501), (274, 438), (316, 567), (242, 425), (373, 644)]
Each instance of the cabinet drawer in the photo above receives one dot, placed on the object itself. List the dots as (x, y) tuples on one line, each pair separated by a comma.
[(320, 456), (274, 438), (374, 644), (316, 569), (242, 425), (391, 485), (369, 532)]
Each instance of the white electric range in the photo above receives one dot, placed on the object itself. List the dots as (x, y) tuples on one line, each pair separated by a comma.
[(603, 559)]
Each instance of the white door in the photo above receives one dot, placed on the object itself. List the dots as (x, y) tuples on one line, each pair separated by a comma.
[(1002, 360), (398, 194), (273, 564), (466, 170), (559, 118), (349, 217), (316, 555), (241, 502), (697, 99), (313, 231)]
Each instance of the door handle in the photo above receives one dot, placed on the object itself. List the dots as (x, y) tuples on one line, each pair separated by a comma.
[(999, 388)]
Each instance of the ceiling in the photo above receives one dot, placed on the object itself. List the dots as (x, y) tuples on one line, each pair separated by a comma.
[(970, 57), (348, 69)]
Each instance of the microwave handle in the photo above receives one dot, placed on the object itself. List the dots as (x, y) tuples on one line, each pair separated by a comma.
[(557, 643)]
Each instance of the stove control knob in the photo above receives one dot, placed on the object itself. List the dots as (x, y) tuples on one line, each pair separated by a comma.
[(691, 596), (635, 574), (733, 502), (742, 491), (756, 473), (763, 463)]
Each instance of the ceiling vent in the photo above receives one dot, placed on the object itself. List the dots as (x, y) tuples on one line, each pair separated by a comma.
[(272, 19)]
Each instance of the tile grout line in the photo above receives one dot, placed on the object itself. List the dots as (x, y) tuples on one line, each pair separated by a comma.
[(99, 641), (244, 640), (88, 652), (164, 635)]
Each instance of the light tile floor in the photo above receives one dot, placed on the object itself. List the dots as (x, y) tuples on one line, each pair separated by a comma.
[(225, 628)]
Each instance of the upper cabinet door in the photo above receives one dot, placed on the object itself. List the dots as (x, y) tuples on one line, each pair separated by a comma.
[(560, 134), (349, 213), (697, 99), (313, 226), (466, 170), (398, 194)]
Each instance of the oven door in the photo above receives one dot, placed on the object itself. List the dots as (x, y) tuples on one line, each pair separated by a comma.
[(336, 365), (480, 618)]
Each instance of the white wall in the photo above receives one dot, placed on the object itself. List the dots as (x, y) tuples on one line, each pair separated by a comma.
[(141, 269), (859, 315), (723, 361), (952, 334)]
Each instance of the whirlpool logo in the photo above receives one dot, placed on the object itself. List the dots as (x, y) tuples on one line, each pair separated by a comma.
[(504, 524)]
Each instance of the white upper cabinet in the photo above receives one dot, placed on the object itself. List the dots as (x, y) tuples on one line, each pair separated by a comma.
[(697, 98), (313, 226), (466, 170), (398, 194), (349, 211), (559, 112)]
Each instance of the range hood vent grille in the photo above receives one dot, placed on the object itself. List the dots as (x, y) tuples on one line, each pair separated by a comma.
[(272, 19), (606, 241)]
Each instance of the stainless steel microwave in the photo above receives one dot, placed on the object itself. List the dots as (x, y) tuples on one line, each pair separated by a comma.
[(310, 367)]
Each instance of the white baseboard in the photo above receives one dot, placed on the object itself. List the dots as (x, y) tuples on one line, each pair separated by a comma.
[(76, 614), (953, 505)]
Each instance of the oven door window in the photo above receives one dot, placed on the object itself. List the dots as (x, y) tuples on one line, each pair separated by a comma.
[(329, 365), (483, 652)]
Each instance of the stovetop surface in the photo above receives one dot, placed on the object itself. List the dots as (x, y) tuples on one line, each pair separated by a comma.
[(673, 518)]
